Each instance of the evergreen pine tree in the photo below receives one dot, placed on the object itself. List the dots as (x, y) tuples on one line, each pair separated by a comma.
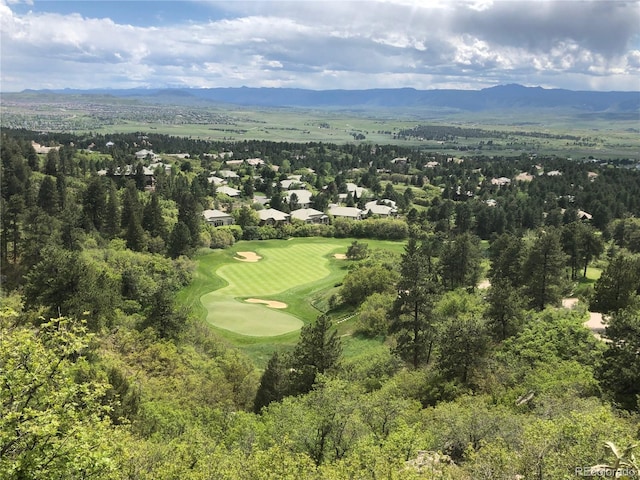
[(48, 196), (180, 240), (152, 218), (411, 314), (112, 220), (544, 270), (273, 383), (317, 351)]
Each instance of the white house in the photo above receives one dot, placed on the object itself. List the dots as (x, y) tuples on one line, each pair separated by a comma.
[(216, 180), (386, 208), (345, 212), (271, 216), (228, 174), (310, 215), (304, 197), (217, 218), (355, 190), (501, 181), (144, 153), (230, 191)]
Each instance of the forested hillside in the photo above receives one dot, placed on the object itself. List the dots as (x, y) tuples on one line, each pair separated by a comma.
[(461, 361)]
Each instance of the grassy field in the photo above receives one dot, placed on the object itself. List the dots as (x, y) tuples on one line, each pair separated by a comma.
[(599, 135), (300, 272)]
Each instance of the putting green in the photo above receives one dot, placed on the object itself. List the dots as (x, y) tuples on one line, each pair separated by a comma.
[(281, 268)]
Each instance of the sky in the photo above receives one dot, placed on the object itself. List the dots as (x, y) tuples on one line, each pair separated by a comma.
[(320, 45)]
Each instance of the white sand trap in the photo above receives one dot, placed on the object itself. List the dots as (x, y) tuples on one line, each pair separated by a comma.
[(268, 303), (247, 256), (340, 256)]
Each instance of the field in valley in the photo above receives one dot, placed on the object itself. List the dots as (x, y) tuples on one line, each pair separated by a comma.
[(503, 133)]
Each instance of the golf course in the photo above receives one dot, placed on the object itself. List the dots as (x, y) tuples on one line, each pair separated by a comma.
[(258, 294)]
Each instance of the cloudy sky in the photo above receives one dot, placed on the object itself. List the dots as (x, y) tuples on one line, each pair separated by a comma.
[(425, 44)]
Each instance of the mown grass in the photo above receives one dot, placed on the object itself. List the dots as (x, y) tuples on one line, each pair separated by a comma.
[(300, 272), (584, 285)]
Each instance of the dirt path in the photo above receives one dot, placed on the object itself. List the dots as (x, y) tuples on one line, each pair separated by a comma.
[(595, 322)]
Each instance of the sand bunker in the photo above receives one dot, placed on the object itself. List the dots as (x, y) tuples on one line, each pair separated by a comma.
[(247, 256), (340, 256), (268, 303)]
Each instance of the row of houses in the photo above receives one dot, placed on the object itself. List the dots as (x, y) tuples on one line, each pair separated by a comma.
[(271, 216)]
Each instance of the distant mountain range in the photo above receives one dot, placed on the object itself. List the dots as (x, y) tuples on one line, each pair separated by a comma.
[(495, 98)]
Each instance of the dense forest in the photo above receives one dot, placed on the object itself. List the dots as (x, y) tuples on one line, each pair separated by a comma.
[(482, 374)]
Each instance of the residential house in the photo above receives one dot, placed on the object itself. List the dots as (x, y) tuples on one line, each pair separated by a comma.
[(129, 171), (582, 215), (228, 174), (524, 177), (501, 182), (255, 162), (310, 215), (217, 218), (383, 208), (271, 216), (230, 191), (355, 190), (217, 181), (144, 153), (304, 197), (290, 183), (352, 213), (154, 166)]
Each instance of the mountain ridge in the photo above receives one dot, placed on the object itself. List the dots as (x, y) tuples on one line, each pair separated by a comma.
[(498, 97)]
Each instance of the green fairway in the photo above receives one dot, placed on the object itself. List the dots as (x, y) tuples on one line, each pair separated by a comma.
[(288, 272), (279, 270)]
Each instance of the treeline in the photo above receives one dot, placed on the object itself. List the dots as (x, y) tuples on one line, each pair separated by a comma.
[(450, 133)]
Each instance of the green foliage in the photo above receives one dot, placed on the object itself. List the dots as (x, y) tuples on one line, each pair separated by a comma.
[(273, 383), (317, 352), (412, 312), (462, 337), (51, 427), (357, 251), (543, 270), (65, 283), (180, 240), (618, 285), (374, 313), (460, 262), (620, 370), (361, 282), (221, 237), (505, 309), (549, 335)]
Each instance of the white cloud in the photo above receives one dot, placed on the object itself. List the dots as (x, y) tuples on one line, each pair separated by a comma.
[(313, 44)]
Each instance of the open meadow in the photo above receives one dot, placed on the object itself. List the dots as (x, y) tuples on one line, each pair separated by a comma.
[(299, 274)]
